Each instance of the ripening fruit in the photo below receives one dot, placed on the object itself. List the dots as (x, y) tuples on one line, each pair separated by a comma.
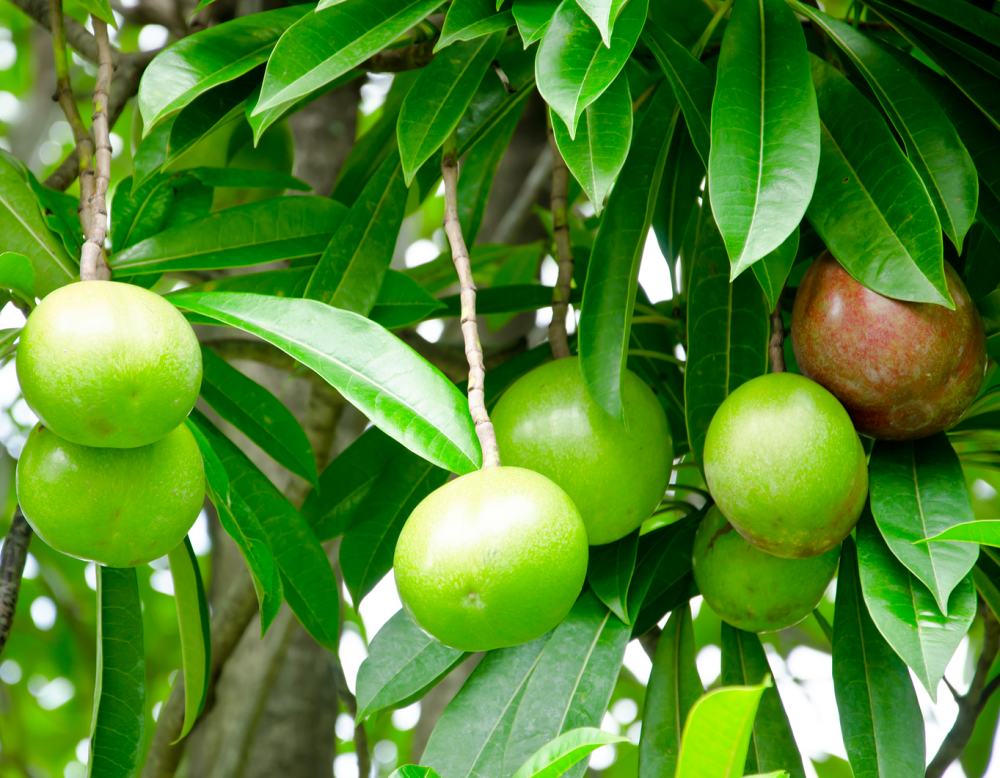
[(108, 365), (751, 589), (903, 370), (547, 422), (785, 466), (492, 559), (118, 507)]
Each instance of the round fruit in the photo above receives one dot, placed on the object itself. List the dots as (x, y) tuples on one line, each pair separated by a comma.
[(903, 370), (547, 422), (492, 559), (785, 466), (118, 507), (108, 365), (751, 589)]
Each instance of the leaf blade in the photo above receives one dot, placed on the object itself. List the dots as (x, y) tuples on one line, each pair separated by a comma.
[(192, 618)]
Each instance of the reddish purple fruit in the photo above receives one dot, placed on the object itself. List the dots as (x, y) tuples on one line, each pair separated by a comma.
[(902, 370)]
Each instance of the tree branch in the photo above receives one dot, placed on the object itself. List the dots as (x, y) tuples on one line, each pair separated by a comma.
[(93, 265), (411, 57), (470, 332), (12, 559), (558, 338), (776, 346), (76, 33)]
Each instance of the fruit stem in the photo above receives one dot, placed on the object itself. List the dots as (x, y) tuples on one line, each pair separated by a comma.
[(12, 559), (93, 266), (776, 346), (558, 338), (470, 332)]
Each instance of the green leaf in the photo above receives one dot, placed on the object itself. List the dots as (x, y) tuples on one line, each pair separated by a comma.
[(117, 734), (401, 393), (728, 328), (470, 19), (214, 56), (258, 414), (717, 732), (875, 214), (61, 212), (765, 131), (402, 302), (513, 283), (353, 266), (662, 573), (434, 105), (101, 9), (904, 609), (598, 152), (17, 274), (556, 757), (918, 491), (403, 663), (772, 744), (264, 231), (414, 771), (506, 299), (682, 177), (323, 46), (236, 177), (673, 689), (140, 214), (609, 572), (533, 17), (613, 275), (25, 232), (574, 67), (287, 282), (603, 13), (932, 144), (192, 619), (269, 116), (879, 714), (772, 270), (986, 532)]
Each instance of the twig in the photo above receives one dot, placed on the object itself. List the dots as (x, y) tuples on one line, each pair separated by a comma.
[(776, 346), (558, 338), (93, 266), (12, 559), (470, 332)]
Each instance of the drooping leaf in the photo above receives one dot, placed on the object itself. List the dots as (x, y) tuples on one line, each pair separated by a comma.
[(609, 572), (401, 302), (260, 122), (728, 329), (398, 390), (596, 156), (470, 19), (879, 714), (556, 757), (904, 609), (533, 17), (875, 214), (574, 67), (117, 734), (918, 491), (264, 231), (772, 270), (673, 689), (192, 619)]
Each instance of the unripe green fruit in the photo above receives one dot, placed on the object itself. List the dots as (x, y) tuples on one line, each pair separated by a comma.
[(751, 589), (547, 422), (108, 365), (785, 465), (492, 559), (118, 507)]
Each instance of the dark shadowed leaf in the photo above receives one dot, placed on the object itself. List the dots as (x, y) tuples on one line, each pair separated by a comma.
[(402, 302), (772, 270), (140, 214), (533, 17), (470, 19), (985, 532), (61, 214), (679, 188), (609, 572), (662, 575), (192, 619)]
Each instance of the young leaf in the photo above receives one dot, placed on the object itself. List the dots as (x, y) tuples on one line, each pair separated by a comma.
[(613, 275), (879, 714), (470, 19), (874, 212), (596, 156), (258, 414), (772, 270), (918, 491), (905, 612), (403, 663), (574, 67), (214, 56), (772, 744), (728, 329), (325, 45), (765, 131), (673, 689), (401, 393), (533, 17), (401, 302), (192, 619), (252, 234), (985, 532), (556, 757), (117, 734), (609, 572), (354, 264)]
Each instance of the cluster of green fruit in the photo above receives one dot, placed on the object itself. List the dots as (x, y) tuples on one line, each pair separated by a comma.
[(110, 473)]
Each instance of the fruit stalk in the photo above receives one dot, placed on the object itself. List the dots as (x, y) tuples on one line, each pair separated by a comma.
[(558, 339), (470, 332), (776, 346), (12, 559), (93, 266)]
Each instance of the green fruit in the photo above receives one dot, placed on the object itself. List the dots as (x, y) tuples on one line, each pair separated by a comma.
[(785, 466), (108, 365), (492, 559), (751, 589), (118, 507), (548, 423)]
